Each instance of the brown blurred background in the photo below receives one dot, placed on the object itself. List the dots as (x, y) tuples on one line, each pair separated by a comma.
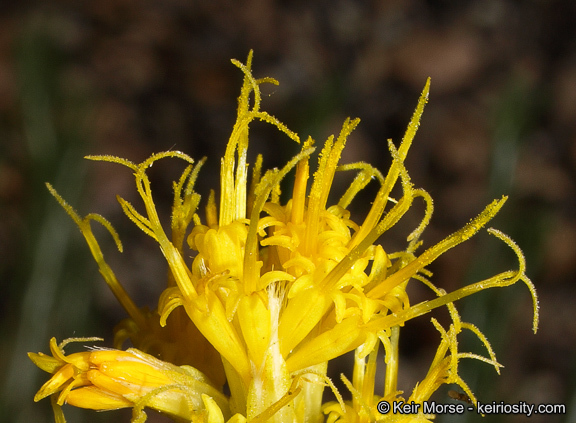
[(133, 77)]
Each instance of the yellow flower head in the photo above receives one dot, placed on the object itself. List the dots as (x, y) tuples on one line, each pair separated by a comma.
[(273, 291), (105, 379)]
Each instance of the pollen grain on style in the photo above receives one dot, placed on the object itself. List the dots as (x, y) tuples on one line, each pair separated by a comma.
[(274, 291)]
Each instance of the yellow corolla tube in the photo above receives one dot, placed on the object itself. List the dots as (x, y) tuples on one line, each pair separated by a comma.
[(264, 293)]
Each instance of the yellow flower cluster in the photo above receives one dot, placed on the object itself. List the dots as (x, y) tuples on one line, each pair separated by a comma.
[(273, 293)]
